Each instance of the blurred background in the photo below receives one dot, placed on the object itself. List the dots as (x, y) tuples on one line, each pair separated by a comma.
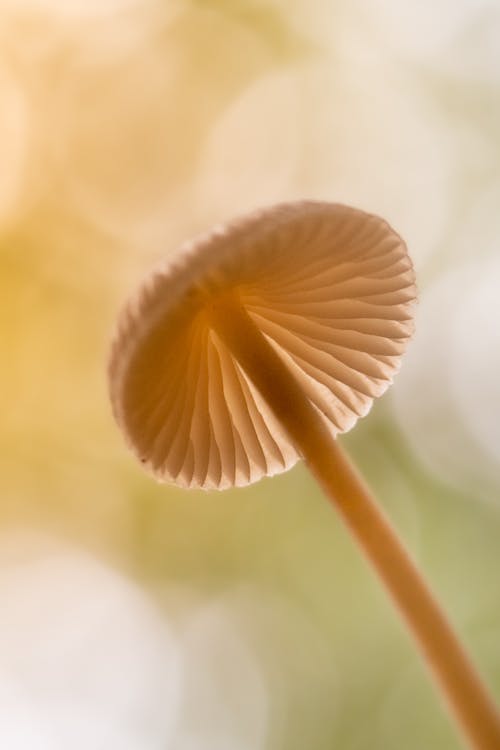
[(141, 617)]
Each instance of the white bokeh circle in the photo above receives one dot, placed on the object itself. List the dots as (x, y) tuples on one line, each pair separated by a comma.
[(446, 397), (85, 646)]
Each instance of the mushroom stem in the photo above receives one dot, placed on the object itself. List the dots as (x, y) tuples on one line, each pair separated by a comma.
[(455, 675)]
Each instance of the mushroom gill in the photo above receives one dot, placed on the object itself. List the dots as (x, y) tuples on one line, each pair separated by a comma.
[(329, 286)]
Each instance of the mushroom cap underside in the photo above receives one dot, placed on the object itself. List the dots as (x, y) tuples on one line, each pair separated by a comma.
[(331, 287)]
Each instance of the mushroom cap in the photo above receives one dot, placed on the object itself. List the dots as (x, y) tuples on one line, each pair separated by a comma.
[(331, 287)]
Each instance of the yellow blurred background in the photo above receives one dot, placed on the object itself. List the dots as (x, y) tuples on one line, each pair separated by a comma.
[(135, 616)]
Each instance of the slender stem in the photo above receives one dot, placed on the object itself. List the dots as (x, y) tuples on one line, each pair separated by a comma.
[(454, 673)]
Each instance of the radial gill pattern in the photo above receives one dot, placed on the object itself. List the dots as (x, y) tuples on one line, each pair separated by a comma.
[(331, 287)]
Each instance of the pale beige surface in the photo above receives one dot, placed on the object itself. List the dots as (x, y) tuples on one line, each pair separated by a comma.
[(332, 289)]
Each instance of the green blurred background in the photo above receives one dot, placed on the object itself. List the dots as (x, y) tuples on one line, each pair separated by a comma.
[(135, 616)]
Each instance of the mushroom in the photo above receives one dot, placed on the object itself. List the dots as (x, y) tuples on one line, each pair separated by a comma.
[(257, 345)]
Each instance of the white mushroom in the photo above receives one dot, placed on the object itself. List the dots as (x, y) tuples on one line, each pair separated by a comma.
[(257, 345)]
